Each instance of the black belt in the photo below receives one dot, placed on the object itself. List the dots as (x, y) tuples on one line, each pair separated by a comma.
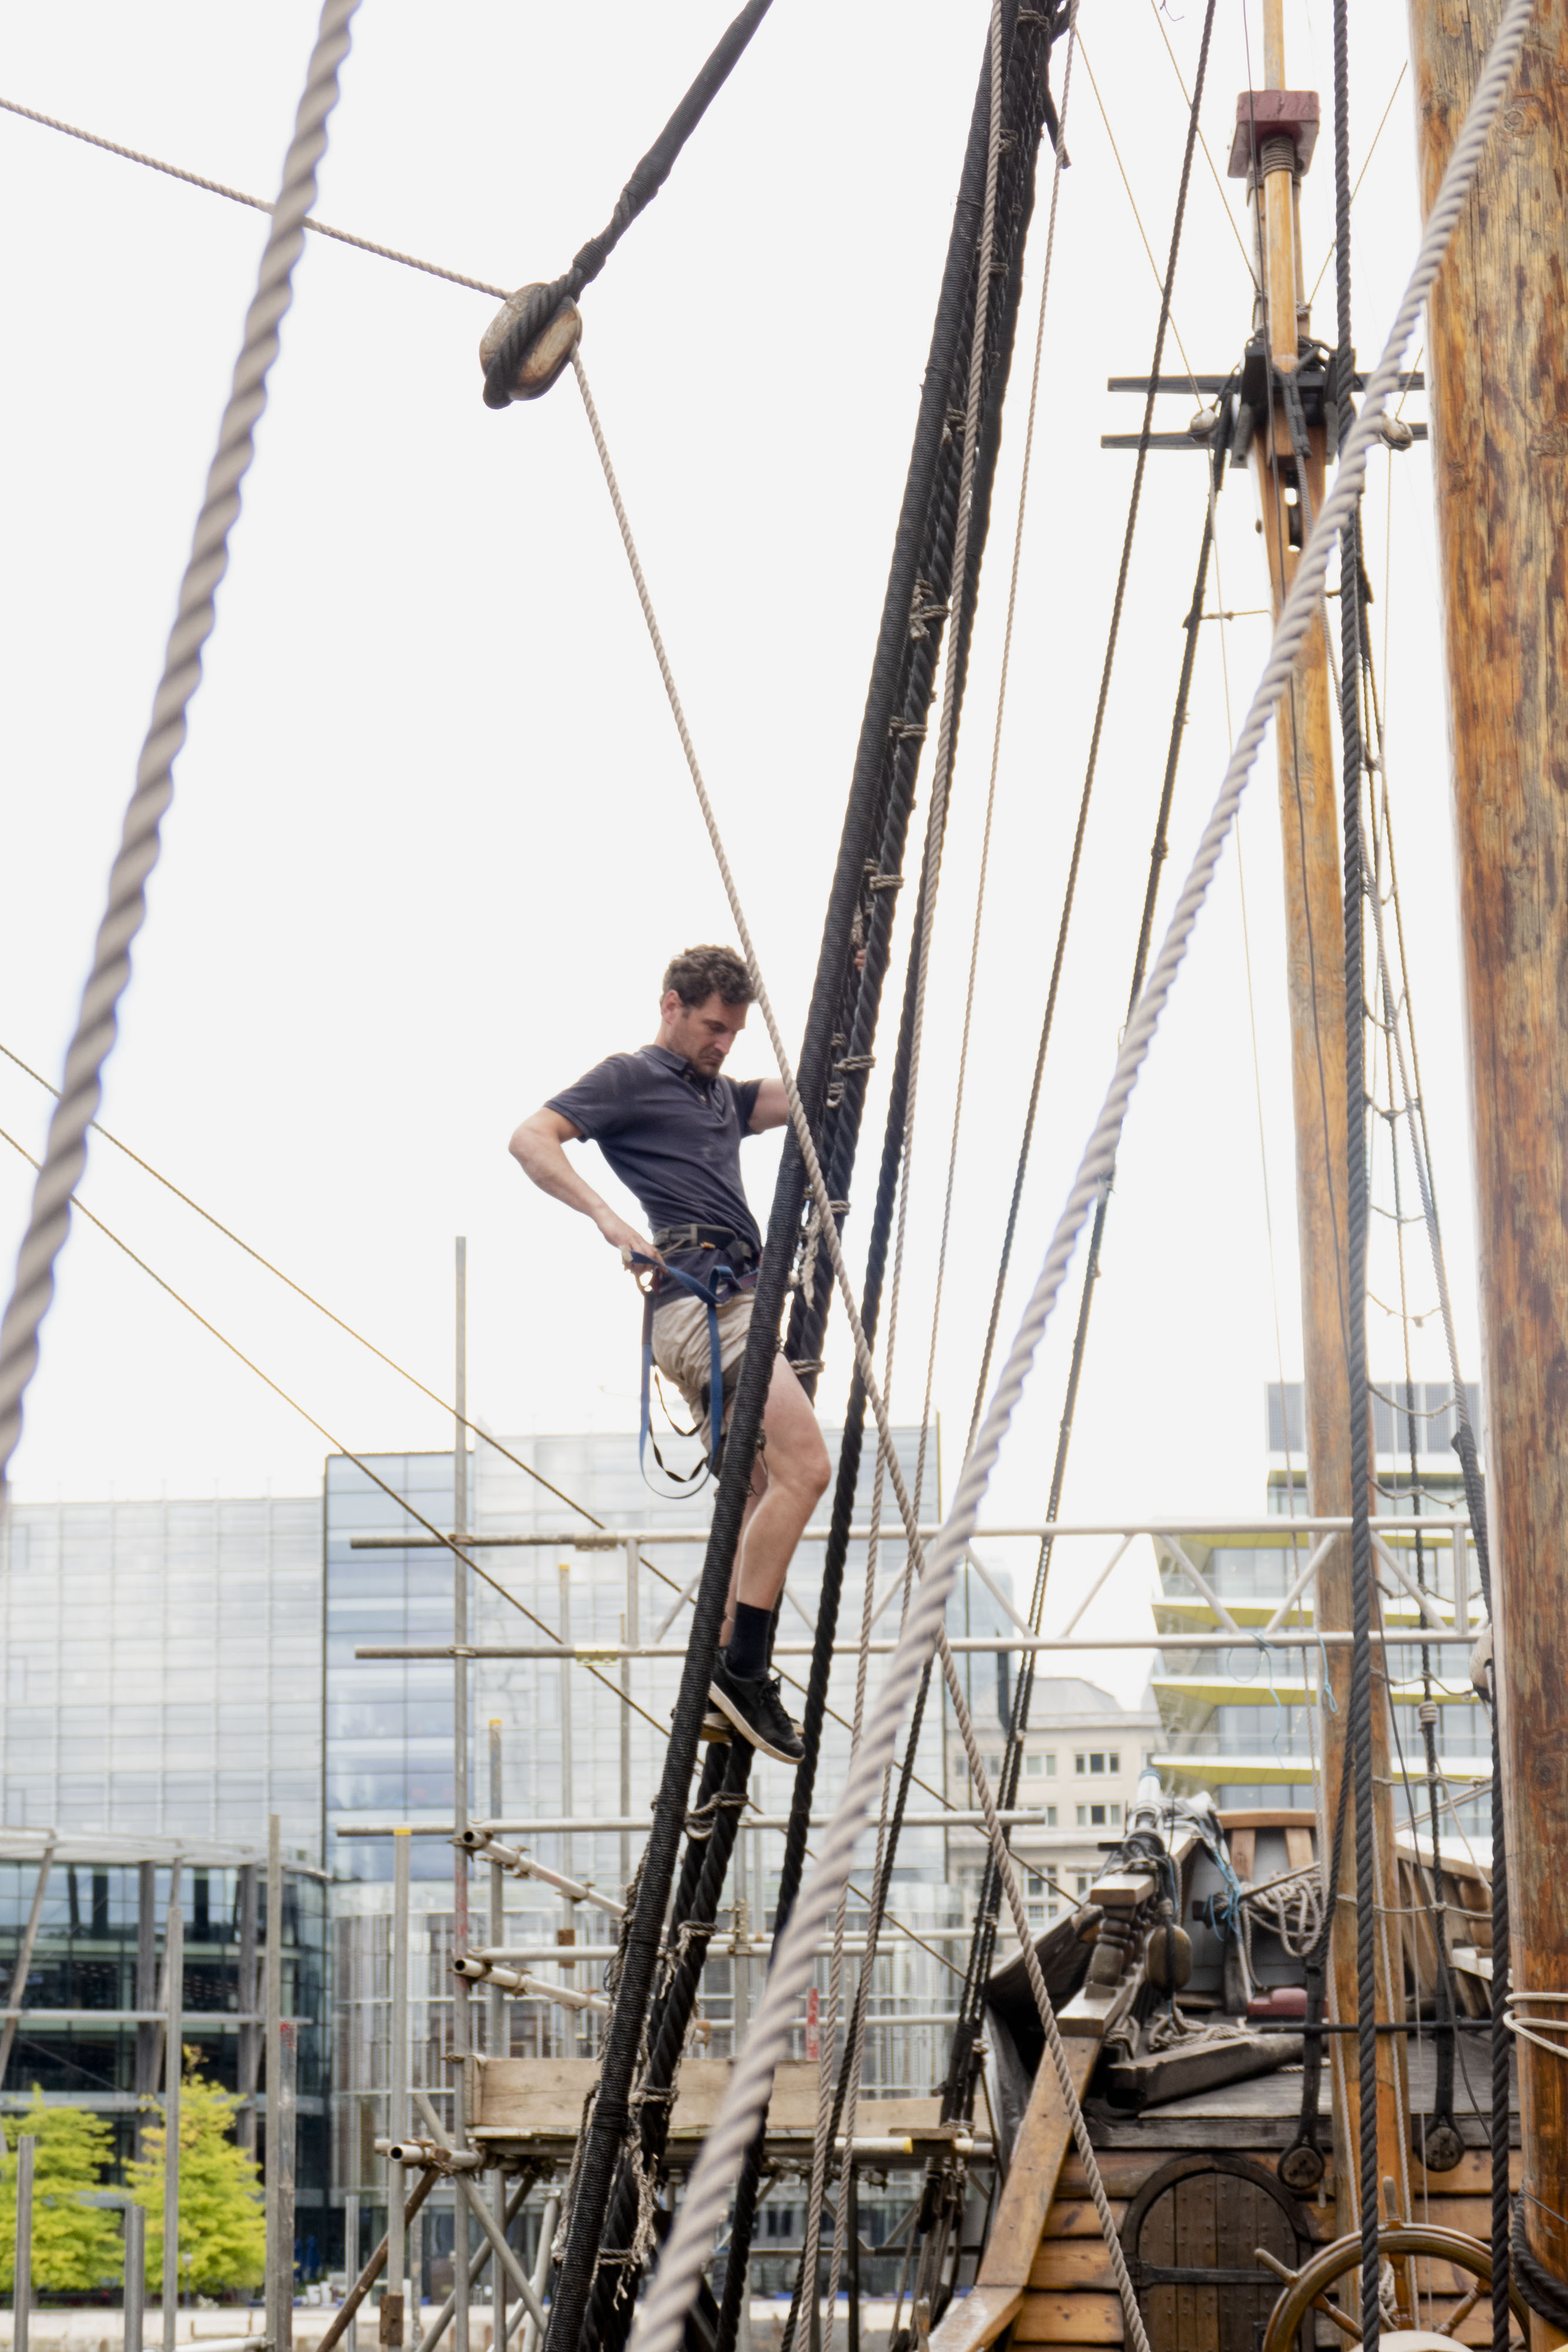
[(741, 1254)]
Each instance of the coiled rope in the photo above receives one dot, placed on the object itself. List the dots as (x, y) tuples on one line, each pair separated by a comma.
[(66, 1153), (674, 2287)]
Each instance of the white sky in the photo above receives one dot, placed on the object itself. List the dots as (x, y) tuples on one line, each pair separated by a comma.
[(433, 838)]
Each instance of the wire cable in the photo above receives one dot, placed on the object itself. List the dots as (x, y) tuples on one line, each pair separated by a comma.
[(257, 204)]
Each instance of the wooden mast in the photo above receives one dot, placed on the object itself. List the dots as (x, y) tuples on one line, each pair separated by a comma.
[(1497, 369), (1314, 947)]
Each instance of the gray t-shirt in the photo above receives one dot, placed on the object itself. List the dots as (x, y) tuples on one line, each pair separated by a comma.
[(673, 1138)]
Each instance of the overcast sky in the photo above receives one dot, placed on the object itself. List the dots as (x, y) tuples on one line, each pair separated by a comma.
[(432, 837)]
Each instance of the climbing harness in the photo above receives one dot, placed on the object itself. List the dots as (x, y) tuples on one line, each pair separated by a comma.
[(727, 1282)]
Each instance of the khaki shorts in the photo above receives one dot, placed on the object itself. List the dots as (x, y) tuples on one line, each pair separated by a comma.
[(682, 1351)]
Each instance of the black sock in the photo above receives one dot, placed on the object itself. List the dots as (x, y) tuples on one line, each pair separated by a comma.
[(745, 1651)]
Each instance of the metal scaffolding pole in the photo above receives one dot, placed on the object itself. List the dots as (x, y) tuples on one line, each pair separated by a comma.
[(22, 2289), (248, 2054), (25, 1956), (134, 2321), (282, 2049), (392, 2314), (174, 1991), (496, 2016), (148, 2036), (462, 2045), (630, 1634)]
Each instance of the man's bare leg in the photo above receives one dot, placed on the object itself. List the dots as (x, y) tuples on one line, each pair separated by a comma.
[(787, 1481)]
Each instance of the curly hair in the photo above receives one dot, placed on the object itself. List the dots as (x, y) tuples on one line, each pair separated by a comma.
[(697, 973)]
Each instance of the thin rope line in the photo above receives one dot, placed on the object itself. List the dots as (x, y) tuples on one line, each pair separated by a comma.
[(257, 204), (1137, 217), (337, 1445), (66, 1153), (674, 2283), (857, 2038), (995, 745), (1398, 86), (1208, 158)]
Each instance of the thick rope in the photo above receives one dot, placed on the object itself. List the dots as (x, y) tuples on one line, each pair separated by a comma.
[(66, 1153), (672, 2291), (255, 204)]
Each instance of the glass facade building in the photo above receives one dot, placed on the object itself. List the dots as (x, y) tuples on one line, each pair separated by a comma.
[(163, 1670)]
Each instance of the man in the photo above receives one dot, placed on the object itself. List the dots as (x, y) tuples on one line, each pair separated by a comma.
[(670, 1125)]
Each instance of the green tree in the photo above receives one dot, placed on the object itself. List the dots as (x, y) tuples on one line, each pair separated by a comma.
[(223, 2227), (75, 2246)]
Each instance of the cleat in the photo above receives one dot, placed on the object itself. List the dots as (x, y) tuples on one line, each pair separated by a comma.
[(756, 1709)]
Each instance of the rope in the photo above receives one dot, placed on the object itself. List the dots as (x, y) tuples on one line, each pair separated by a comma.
[(1091, 764), (1356, 1222), (257, 204), (66, 1155), (846, 2100), (961, 2070), (844, 2104), (996, 754), (672, 2290), (639, 193)]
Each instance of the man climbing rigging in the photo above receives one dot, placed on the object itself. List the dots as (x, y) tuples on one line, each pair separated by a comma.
[(670, 1124)]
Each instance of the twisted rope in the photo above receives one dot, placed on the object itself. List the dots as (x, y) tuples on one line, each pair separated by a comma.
[(66, 1153), (673, 2289)]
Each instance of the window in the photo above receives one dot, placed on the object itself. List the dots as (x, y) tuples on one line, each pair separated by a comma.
[(1081, 1763), (1097, 1816), (1034, 1766), (1148, 1758), (1050, 1817), (1050, 1765), (1037, 1915), (1083, 1817), (1115, 1816), (1097, 1760), (1036, 1883), (1114, 1761), (1052, 1909), (1081, 1881)]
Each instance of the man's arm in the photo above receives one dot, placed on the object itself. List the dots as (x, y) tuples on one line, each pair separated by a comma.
[(771, 1108), (536, 1147)]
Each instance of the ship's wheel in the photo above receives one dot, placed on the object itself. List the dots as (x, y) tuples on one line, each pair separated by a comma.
[(1420, 2294)]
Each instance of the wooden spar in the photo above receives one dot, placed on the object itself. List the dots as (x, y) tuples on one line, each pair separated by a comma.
[(1310, 824), (1498, 370)]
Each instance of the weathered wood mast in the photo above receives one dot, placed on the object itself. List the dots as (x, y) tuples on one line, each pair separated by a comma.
[(1497, 343)]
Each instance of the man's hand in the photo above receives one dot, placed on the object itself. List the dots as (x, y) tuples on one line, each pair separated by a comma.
[(626, 1239)]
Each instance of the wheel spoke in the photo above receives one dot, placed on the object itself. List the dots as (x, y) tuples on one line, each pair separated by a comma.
[(1340, 2318), (1463, 2308)]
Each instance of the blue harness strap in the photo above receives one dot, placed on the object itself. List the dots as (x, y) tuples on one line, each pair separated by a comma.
[(713, 1297)]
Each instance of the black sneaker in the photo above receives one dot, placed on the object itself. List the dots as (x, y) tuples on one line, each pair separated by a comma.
[(755, 1708)]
